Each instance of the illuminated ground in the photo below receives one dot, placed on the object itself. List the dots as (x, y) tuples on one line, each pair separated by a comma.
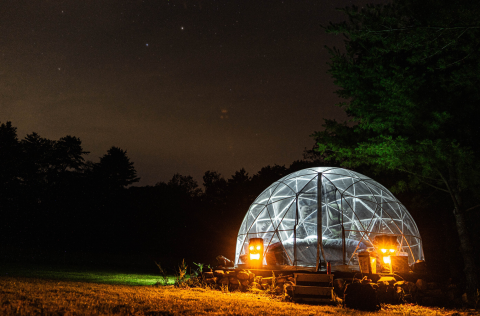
[(79, 274), (33, 296)]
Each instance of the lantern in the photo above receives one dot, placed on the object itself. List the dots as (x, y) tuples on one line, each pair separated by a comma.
[(255, 252), (387, 246)]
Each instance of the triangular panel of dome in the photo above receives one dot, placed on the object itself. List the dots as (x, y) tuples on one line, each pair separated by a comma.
[(264, 197), (282, 192), (280, 210), (299, 183), (253, 214)]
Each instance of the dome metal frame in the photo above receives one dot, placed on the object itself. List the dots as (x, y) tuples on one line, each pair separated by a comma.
[(354, 209)]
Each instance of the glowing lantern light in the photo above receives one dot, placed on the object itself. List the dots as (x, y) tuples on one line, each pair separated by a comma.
[(255, 247), (388, 246)]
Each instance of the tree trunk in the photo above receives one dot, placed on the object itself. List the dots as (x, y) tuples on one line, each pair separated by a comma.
[(466, 248)]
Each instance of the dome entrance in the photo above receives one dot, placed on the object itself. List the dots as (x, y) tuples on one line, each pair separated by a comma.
[(354, 209)]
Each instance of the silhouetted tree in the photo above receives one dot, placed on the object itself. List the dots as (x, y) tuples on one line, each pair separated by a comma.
[(115, 169), (184, 185), (215, 189), (68, 154)]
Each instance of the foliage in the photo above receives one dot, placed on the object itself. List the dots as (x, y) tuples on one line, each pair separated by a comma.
[(115, 169), (163, 275), (181, 276), (411, 84), (200, 267)]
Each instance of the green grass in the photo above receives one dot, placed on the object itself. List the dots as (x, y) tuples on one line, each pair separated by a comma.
[(79, 274)]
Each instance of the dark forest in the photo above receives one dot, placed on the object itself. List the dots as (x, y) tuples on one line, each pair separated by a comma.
[(58, 207)]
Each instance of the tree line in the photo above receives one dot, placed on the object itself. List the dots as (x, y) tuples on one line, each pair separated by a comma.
[(53, 199)]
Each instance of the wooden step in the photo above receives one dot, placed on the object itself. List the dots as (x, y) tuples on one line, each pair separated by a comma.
[(313, 294), (310, 279), (314, 288)]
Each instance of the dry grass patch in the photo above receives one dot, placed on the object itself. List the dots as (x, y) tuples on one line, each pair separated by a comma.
[(25, 296)]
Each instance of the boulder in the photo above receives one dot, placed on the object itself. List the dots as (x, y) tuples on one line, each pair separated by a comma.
[(207, 275), (432, 286), (224, 281), (233, 280), (278, 289), (243, 275), (410, 287), (256, 285), (219, 273), (211, 280), (267, 280), (280, 280), (288, 286), (339, 286), (244, 283), (421, 285), (431, 301), (435, 293)]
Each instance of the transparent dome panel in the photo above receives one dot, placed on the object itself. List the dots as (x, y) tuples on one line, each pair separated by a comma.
[(353, 210)]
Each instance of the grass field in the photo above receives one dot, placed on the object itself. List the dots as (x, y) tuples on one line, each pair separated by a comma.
[(54, 291), (32, 296), (79, 274)]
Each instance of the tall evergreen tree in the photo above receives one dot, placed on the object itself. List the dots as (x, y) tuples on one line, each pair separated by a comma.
[(410, 76), (115, 169)]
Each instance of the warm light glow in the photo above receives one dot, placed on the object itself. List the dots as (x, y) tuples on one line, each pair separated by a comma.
[(386, 260), (254, 256), (259, 247), (372, 260), (251, 248), (384, 250), (392, 250)]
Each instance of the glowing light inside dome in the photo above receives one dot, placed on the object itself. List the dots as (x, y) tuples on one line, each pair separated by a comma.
[(254, 256)]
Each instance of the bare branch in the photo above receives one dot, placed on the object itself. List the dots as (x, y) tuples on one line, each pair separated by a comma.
[(472, 208), (423, 181), (428, 27), (438, 51), (452, 195)]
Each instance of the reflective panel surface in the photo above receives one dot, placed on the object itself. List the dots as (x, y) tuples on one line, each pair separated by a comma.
[(285, 215)]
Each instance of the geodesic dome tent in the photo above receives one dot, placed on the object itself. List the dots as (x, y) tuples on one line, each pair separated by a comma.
[(354, 209)]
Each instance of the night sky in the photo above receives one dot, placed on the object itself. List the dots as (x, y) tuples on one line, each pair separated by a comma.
[(183, 86)]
